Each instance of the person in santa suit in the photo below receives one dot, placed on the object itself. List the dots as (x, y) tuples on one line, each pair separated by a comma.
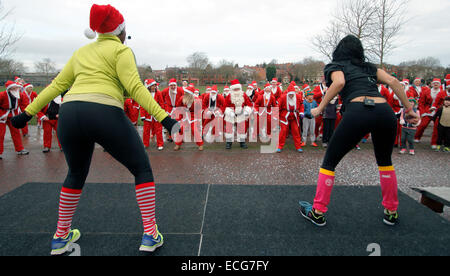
[(291, 111), (319, 92), (238, 108), (49, 117), (263, 108), (441, 96), (170, 97), (213, 104), (131, 108), (12, 103), (226, 91), (251, 93), (427, 110), (446, 80), (151, 126), (276, 90), (31, 95), (416, 89), (257, 90), (191, 109)]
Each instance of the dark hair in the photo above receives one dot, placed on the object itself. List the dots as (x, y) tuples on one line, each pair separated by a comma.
[(350, 48)]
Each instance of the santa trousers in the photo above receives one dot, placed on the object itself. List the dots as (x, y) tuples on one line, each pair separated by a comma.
[(295, 130), (48, 127), (421, 129), (196, 131), (357, 121), (155, 128), (15, 135)]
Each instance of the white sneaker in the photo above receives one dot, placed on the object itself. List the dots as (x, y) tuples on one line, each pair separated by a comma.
[(160, 148), (416, 141), (433, 147), (23, 152)]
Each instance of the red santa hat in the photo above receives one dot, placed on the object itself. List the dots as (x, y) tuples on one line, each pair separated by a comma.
[(235, 84), (149, 82), (214, 88), (406, 81), (254, 84), (250, 86), (189, 90), (173, 81), (274, 81), (104, 19), (12, 84), (436, 80), (28, 85), (447, 84), (291, 90), (418, 79), (447, 78), (226, 88), (305, 87)]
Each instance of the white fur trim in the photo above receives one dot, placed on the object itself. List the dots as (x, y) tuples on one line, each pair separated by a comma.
[(232, 87), (89, 33), (118, 30)]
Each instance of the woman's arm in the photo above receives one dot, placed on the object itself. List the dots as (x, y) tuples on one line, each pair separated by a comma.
[(337, 85)]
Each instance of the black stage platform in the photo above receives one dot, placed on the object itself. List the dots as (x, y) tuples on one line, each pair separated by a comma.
[(221, 220)]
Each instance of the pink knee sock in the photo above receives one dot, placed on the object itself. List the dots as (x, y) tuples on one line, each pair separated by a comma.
[(389, 189), (325, 185)]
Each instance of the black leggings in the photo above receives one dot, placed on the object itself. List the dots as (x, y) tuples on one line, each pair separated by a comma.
[(359, 120), (82, 124)]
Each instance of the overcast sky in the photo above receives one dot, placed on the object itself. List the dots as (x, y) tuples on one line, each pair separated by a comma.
[(247, 32)]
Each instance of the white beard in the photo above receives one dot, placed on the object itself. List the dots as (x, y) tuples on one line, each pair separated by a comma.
[(213, 97), (434, 92), (249, 92), (237, 98), (291, 101)]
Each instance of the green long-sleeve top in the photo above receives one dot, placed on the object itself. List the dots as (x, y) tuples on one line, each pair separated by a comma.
[(100, 72)]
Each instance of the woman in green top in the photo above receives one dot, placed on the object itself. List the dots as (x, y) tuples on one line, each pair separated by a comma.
[(98, 75)]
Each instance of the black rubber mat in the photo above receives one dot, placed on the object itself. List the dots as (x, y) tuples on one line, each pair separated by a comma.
[(221, 220)]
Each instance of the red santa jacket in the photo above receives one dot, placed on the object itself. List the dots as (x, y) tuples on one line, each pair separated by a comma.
[(395, 103), (319, 92), (278, 93), (33, 95), (416, 91), (439, 101), (228, 104), (168, 104), (190, 112), (265, 104), (384, 92), (131, 108), (43, 111), (426, 101), (220, 103), (10, 106), (145, 116), (289, 113)]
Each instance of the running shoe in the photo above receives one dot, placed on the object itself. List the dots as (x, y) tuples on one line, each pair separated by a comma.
[(402, 151), (278, 150), (308, 213), (390, 219), (149, 243), (62, 245), (314, 144), (412, 152), (300, 150), (23, 152)]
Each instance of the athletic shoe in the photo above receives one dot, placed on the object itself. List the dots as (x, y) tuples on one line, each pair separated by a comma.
[(244, 145), (303, 144), (402, 151), (46, 150), (358, 147), (390, 219), (278, 150), (160, 148), (150, 244), (62, 245), (308, 213), (300, 150), (23, 152), (412, 152), (314, 144), (324, 145), (446, 149), (433, 147), (416, 141)]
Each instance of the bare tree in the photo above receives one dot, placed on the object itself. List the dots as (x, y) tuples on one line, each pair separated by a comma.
[(226, 70), (11, 68), (390, 18), (46, 66), (375, 22), (8, 36)]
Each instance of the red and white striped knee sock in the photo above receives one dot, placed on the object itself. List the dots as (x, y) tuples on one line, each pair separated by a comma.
[(68, 202), (145, 195)]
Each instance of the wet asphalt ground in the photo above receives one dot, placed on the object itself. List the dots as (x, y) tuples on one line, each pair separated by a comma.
[(215, 165)]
